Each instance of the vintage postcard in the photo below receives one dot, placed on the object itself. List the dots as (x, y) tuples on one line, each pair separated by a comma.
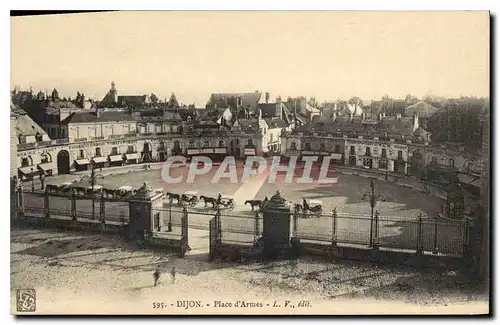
[(288, 163)]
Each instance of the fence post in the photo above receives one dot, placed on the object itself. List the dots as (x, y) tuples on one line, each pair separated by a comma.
[(257, 227), (295, 223), (21, 198), (73, 206), (334, 227), (46, 204), (419, 235), (375, 237), (218, 223), (466, 239), (435, 249), (170, 216), (102, 210)]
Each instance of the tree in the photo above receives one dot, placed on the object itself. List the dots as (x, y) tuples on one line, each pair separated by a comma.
[(153, 98)]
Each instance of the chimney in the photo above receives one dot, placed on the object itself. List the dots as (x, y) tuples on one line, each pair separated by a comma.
[(267, 97), (415, 122), (98, 112), (278, 107)]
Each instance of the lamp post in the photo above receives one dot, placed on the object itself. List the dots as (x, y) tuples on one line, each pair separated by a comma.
[(92, 184), (32, 180), (373, 200)]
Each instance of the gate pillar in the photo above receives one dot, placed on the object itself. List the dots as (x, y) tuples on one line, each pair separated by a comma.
[(145, 211), (276, 232)]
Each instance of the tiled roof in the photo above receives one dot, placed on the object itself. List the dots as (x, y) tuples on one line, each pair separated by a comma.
[(422, 108), (91, 117), (391, 126), (26, 126), (268, 110), (134, 99), (250, 99), (275, 123)]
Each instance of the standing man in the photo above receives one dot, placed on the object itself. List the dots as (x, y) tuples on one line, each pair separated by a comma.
[(156, 275), (172, 273), (42, 180)]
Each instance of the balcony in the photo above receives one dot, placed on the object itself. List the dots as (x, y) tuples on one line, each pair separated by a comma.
[(79, 139), (97, 138)]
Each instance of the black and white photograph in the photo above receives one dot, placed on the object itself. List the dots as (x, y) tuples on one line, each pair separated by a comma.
[(250, 163)]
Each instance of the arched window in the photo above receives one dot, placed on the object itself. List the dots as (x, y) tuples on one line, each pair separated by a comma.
[(206, 144), (434, 160), (82, 154), (352, 150), (451, 163), (44, 158), (368, 151), (384, 153), (469, 166), (177, 145), (25, 162), (221, 143), (293, 146), (307, 146), (97, 152), (114, 151), (191, 144), (400, 155)]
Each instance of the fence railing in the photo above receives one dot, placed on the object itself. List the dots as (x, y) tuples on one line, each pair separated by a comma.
[(417, 234), (420, 234), (95, 207)]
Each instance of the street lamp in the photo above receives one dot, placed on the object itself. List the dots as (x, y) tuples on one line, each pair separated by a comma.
[(373, 200), (92, 184), (32, 180)]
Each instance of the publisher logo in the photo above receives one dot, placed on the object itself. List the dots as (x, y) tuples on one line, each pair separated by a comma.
[(26, 300)]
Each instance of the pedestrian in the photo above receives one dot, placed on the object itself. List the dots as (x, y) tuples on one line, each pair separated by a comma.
[(172, 273), (42, 181), (156, 275)]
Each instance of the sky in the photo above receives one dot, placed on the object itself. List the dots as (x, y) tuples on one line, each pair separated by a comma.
[(326, 55)]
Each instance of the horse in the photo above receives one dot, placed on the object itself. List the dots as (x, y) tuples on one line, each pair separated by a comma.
[(173, 196), (254, 203), (208, 199)]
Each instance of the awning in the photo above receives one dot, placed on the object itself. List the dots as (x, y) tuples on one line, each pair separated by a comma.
[(131, 156), (82, 162), (27, 170), (207, 150), (48, 166), (476, 183), (221, 150), (99, 160), (466, 179), (336, 156), (249, 152), (115, 158)]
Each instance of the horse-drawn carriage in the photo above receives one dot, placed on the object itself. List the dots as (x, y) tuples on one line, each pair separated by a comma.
[(189, 198), (306, 209), (124, 191), (226, 201)]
